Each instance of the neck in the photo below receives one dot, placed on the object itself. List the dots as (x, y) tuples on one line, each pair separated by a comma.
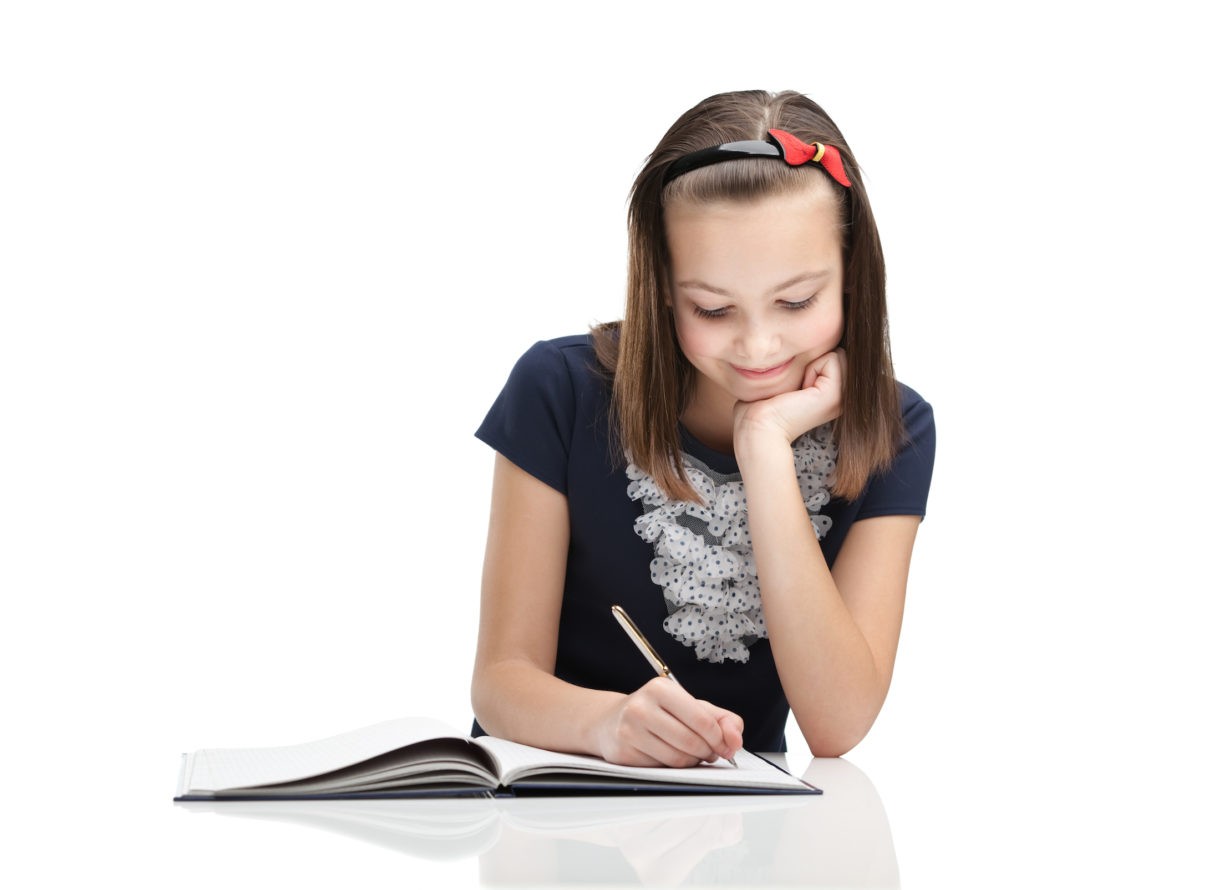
[(710, 420)]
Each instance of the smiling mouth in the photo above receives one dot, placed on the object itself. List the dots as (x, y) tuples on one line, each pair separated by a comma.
[(762, 373)]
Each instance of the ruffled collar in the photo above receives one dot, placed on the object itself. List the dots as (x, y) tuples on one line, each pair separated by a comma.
[(704, 559)]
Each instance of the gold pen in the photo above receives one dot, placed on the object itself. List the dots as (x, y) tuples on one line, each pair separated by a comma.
[(646, 649)]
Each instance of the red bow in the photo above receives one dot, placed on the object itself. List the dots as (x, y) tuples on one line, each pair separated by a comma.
[(797, 153)]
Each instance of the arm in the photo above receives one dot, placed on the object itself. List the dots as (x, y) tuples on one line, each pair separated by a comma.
[(514, 691), (834, 635)]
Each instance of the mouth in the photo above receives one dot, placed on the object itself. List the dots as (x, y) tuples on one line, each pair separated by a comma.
[(763, 373)]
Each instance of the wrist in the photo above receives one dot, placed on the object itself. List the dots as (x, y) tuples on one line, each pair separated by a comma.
[(598, 730), (753, 442)]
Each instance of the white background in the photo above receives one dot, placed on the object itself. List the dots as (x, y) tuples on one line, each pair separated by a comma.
[(265, 265)]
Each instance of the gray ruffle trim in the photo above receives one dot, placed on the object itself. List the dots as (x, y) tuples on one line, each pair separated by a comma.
[(704, 558)]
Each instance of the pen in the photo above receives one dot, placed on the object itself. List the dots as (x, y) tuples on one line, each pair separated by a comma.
[(646, 649)]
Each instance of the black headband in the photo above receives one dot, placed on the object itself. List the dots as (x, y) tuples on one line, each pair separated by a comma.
[(780, 144)]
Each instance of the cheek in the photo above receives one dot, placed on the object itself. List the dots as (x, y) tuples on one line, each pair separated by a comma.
[(823, 332), (695, 339), (834, 333)]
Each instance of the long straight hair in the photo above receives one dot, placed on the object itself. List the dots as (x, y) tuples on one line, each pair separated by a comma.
[(653, 381)]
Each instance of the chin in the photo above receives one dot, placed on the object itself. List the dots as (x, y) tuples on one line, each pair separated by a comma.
[(768, 391), (757, 396)]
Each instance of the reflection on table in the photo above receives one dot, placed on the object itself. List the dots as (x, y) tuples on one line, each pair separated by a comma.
[(840, 838)]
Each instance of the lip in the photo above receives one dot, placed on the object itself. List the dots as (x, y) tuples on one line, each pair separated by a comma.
[(764, 373)]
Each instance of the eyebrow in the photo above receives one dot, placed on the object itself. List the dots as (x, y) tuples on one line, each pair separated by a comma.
[(783, 286)]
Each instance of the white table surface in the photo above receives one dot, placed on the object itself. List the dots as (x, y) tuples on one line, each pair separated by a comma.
[(1054, 821), (838, 839)]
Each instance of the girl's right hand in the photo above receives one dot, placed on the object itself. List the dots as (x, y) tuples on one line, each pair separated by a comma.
[(661, 724), (789, 414)]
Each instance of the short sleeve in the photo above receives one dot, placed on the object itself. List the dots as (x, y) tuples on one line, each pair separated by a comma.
[(902, 490), (531, 421)]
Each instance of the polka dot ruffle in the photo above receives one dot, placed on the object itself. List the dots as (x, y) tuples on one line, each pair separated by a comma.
[(704, 558)]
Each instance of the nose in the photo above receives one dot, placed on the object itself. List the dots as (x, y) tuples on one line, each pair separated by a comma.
[(756, 343)]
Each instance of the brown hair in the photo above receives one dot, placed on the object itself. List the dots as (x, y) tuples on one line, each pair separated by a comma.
[(653, 381)]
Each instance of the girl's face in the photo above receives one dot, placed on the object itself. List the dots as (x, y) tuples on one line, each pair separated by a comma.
[(757, 292)]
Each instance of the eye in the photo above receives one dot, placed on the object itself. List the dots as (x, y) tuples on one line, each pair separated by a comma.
[(710, 313), (800, 304)]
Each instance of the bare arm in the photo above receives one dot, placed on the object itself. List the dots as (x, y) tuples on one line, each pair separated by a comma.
[(514, 691), (834, 635)]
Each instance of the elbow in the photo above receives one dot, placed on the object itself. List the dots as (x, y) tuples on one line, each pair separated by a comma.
[(481, 694), (489, 694), (481, 697), (830, 749), (834, 732), (829, 741)]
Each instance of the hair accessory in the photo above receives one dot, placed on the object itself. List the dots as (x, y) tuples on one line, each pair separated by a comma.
[(779, 144), (797, 152)]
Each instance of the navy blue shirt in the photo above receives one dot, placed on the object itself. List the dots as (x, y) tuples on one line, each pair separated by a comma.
[(551, 420)]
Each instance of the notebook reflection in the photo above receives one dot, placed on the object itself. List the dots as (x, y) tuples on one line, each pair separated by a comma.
[(838, 839)]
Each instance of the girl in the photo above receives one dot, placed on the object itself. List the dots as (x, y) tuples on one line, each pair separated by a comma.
[(733, 463)]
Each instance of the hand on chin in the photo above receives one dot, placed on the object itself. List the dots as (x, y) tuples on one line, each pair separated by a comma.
[(791, 413)]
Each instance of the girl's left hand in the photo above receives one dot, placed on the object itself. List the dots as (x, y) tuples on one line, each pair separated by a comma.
[(818, 401)]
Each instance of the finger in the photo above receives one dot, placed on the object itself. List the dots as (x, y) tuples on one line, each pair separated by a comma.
[(825, 365), (654, 724), (835, 363), (841, 362), (674, 744), (684, 740), (733, 728), (655, 737), (698, 718)]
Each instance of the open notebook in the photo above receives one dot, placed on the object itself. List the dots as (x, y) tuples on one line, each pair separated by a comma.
[(421, 757)]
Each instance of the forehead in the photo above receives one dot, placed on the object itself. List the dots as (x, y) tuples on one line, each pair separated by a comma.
[(733, 240)]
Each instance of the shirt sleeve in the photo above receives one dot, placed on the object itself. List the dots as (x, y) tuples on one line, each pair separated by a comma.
[(902, 490), (531, 421)]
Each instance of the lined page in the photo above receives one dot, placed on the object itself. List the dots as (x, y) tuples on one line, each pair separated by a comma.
[(217, 769)]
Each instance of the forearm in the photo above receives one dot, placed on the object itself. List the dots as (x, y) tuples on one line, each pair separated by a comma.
[(660, 724), (829, 672), (514, 692), (515, 699)]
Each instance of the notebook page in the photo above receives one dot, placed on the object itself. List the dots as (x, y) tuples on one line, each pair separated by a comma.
[(216, 769), (750, 772)]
